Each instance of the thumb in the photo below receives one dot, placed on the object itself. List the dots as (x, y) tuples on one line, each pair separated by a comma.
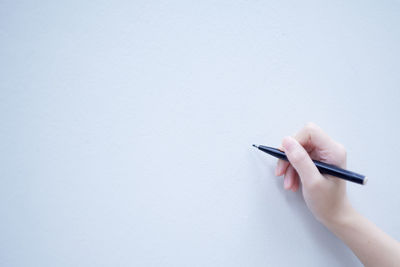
[(300, 160)]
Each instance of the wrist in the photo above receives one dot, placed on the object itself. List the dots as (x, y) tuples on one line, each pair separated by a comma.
[(340, 217)]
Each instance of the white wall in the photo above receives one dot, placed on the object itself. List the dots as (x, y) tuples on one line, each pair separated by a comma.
[(126, 128)]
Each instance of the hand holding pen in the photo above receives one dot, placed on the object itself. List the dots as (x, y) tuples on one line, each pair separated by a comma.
[(323, 194), (326, 196)]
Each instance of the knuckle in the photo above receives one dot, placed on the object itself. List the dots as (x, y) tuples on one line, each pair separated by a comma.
[(310, 126)]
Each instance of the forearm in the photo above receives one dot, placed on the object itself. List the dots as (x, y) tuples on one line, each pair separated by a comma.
[(369, 243)]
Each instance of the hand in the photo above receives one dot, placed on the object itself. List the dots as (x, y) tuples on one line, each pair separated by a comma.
[(324, 195)]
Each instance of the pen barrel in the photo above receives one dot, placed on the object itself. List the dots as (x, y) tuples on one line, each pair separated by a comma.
[(325, 168)]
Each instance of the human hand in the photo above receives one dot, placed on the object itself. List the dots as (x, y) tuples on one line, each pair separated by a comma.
[(324, 195)]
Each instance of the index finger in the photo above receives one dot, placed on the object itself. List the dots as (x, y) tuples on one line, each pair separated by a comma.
[(311, 136), (320, 145)]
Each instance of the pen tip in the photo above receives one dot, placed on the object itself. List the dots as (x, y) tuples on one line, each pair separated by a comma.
[(255, 146)]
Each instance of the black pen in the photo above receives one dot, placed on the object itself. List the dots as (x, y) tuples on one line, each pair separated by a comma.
[(322, 167)]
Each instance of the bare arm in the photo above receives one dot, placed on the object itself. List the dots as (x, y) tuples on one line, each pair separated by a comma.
[(370, 244)]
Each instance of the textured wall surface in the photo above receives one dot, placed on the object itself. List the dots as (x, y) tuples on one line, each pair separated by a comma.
[(126, 128)]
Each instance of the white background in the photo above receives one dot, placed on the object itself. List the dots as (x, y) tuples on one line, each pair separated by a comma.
[(126, 128)]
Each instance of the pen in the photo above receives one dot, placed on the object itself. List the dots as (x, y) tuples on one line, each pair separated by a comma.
[(322, 167)]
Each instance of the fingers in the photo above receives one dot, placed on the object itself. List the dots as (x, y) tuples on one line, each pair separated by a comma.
[(309, 142), (291, 180), (281, 167), (301, 161), (311, 136), (288, 181), (320, 146)]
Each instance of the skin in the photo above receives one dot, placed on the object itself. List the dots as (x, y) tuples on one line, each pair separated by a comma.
[(326, 196)]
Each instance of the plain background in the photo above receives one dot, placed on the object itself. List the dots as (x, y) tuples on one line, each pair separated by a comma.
[(126, 128)]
